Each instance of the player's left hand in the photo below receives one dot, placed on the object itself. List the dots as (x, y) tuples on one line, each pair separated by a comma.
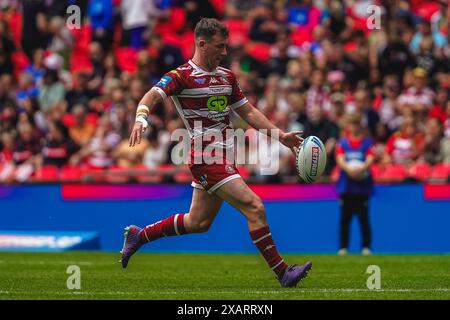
[(292, 140), (136, 134)]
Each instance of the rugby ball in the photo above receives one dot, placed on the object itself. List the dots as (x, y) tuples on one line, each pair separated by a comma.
[(311, 159)]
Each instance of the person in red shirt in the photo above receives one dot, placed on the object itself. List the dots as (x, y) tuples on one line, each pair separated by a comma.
[(405, 145), (438, 109), (205, 96), (6, 156), (6, 148), (445, 144)]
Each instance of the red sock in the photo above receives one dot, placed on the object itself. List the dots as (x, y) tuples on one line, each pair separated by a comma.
[(262, 238), (171, 226)]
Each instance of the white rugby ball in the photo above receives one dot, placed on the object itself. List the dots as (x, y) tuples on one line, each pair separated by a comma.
[(311, 159)]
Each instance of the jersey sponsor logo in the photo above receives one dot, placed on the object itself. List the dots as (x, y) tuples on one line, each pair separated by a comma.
[(217, 116), (314, 160), (213, 80), (316, 141), (200, 80), (226, 90), (164, 81), (184, 68), (217, 103)]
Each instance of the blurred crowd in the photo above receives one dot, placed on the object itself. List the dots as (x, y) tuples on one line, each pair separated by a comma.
[(68, 92)]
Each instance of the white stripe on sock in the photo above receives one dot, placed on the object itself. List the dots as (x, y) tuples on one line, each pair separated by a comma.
[(263, 237), (273, 268), (175, 224), (145, 233)]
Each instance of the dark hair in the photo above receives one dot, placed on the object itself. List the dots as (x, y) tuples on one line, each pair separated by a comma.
[(208, 27), (51, 74), (61, 128)]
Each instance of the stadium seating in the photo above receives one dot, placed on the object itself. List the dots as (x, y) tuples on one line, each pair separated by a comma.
[(420, 171), (70, 174), (174, 24), (47, 174), (259, 51), (92, 174), (219, 6), (177, 31), (184, 41), (183, 175), (143, 174), (79, 59), (394, 173), (440, 172), (126, 59), (238, 31), (377, 171), (68, 119)]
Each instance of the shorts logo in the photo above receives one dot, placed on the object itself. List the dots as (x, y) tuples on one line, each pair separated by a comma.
[(164, 81), (203, 181), (314, 160), (217, 103), (229, 169)]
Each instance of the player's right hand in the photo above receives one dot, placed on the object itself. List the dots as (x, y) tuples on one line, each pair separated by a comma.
[(136, 133)]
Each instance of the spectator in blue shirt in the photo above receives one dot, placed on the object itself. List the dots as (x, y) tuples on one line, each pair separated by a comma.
[(100, 13)]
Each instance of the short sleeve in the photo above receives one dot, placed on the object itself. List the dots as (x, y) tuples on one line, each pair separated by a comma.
[(170, 84), (237, 96)]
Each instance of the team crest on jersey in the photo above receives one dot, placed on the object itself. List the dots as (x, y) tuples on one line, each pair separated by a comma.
[(229, 169), (200, 80)]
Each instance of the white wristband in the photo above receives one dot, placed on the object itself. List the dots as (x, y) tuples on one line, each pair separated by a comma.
[(142, 120), (143, 107)]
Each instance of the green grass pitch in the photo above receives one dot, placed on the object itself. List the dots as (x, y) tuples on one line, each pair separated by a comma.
[(219, 277)]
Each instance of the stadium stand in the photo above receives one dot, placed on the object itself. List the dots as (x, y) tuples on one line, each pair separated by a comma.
[(276, 49)]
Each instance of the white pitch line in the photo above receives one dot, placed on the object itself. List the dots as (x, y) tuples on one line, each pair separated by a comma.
[(81, 263), (81, 292)]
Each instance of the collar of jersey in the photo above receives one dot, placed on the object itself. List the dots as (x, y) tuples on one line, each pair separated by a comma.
[(204, 72)]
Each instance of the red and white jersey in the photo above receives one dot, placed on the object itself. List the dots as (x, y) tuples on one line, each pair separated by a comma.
[(412, 96), (203, 99)]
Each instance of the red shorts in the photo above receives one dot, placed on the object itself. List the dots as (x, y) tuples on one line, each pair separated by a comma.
[(210, 177)]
